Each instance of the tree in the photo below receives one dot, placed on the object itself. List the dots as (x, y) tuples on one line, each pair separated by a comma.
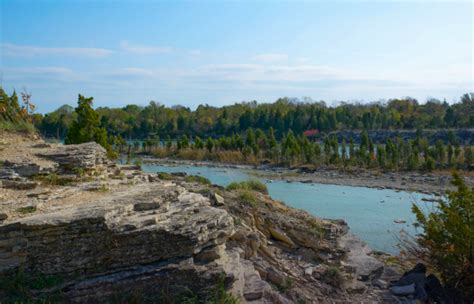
[(448, 238), (86, 127), (209, 144)]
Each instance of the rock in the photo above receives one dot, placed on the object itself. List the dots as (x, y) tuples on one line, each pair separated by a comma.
[(415, 277), (69, 157), (435, 290), (404, 290), (9, 174), (366, 267), (279, 235), (219, 200), (308, 271), (3, 216), (19, 185)]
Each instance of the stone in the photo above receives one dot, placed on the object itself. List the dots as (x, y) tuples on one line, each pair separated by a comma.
[(279, 235), (19, 185), (89, 155), (367, 268), (219, 200), (3, 216), (404, 290)]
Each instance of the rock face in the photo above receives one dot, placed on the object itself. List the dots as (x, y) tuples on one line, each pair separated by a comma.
[(124, 236), (153, 233), (86, 156)]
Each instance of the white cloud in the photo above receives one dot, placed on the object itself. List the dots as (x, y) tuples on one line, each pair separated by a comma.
[(136, 72), (9, 49), (144, 49), (271, 57)]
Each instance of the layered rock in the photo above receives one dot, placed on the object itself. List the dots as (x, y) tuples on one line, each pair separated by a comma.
[(127, 236)]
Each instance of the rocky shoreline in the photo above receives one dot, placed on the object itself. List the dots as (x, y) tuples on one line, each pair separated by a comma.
[(78, 228), (432, 183)]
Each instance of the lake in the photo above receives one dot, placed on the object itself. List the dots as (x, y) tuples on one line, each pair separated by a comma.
[(369, 212)]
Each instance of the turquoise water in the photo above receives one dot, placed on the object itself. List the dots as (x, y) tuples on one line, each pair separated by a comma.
[(369, 212)]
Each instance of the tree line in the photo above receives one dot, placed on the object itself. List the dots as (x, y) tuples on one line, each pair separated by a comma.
[(257, 147), (136, 122)]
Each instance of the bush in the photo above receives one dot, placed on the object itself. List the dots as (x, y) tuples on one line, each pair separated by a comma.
[(253, 185), (26, 210), (165, 176), (248, 198), (447, 240), (197, 179), (333, 277)]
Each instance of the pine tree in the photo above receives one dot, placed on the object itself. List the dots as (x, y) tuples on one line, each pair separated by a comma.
[(86, 127)]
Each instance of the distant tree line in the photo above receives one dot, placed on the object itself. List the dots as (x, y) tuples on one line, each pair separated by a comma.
[(135, 122), (257, 146)]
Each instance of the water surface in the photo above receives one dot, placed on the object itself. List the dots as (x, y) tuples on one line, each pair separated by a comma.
[(369, 212)]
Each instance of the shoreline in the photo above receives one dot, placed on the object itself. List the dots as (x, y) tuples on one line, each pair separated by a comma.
[(432, 184)]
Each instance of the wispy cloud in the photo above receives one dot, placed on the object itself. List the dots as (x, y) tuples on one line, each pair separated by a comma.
[(9, 49), (273, 57), (144, 49)]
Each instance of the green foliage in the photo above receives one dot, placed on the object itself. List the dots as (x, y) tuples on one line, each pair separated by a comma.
[(165, 176), (219, 295), (17, 287), (247, 197), (333, 276), (26, 210), (52, 179), (86, 127), (281, 116), (13, 117), (448, 237), (285, 285), (197, 179), (253, 185)]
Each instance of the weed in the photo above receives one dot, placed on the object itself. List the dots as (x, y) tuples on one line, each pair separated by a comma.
[(254, 185), (248, 198), (219, 295), (26, 210), (52, 179), (197, 179), (17, 287), (285, 285), (333, 277), (165, 176)]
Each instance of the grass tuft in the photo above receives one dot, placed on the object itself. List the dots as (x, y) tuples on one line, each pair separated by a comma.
[(252, 185)]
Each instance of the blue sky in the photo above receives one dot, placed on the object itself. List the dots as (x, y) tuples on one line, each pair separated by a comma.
[(221, 52)]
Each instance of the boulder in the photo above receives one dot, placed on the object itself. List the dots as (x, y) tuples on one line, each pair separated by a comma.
[(367, 268), (89, 155)]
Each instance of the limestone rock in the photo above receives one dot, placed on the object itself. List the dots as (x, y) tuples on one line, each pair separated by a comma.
[(358, 257), (87, 156), (219, 200), (19, 185)]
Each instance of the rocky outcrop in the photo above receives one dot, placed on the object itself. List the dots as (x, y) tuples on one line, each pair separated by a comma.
[(85, 156), (117, 235)]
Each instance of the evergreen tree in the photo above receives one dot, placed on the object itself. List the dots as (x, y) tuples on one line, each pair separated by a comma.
[(87, 127)]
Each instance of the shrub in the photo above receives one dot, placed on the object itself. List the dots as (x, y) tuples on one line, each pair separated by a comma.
[(197, 179), (333, 277), (247, 197), (165, 176), (219, 295), (285, 285), (16, 287), (254, 185), (446, 242), (26, 210), (53, 179)]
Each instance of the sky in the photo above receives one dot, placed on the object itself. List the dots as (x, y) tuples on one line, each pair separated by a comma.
[(222, 52)]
